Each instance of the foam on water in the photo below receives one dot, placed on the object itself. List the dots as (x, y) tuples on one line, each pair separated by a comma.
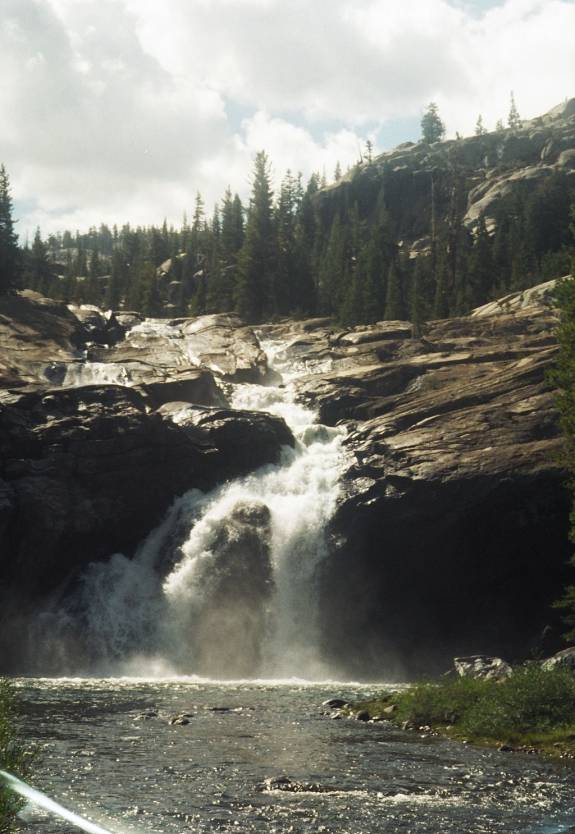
[(143, 613)]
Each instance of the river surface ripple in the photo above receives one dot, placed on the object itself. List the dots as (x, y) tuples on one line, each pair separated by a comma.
[(136, 775)]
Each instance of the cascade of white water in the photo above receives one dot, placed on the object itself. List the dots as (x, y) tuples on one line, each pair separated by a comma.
[(240, 599)]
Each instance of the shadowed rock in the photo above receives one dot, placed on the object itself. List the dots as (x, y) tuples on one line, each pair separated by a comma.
[(236, 581), (451, 533)]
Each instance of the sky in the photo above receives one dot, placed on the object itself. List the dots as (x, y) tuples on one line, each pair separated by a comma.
[(121, 110)]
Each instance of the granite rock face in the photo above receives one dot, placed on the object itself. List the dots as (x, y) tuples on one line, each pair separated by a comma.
[(88, 470), (451, 533), (155, 349), (33, 332), (489, 168)]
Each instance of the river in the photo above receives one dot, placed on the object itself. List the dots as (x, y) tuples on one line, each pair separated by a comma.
[(101, 757), (195, 600)]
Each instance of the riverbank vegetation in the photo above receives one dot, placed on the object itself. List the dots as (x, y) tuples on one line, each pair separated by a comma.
[(13, 758), (533, 709)]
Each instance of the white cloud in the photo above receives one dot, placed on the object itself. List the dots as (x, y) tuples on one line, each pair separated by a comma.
[(120, 110)]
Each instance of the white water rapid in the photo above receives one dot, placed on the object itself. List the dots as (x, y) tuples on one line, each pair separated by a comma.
[(226, 587)]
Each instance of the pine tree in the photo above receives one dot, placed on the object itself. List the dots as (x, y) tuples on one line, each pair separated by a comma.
[(502, 257), (394, 302), (481, 268), (513, 119), (159, 246), (257, 269), (150, 301), (421, 294), (442, 281), (479, 128), (285, 221), (37, 272), (380, 251), (337, 172), (9, 253), (216, 291), (230, 243), (564, 378), (351, 308), (355, 293), (333, 268), (432, 128), (310, 243), (92, 295), (116, 282)]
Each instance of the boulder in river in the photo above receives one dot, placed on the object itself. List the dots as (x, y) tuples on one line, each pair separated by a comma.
[(230, 615)]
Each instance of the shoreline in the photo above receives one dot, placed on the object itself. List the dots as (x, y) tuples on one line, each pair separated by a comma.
[(532, 711)]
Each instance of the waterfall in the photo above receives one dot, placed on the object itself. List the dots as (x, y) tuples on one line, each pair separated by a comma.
[(226, 587)]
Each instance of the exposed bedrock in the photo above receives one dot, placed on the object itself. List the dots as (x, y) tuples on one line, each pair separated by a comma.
[(450, 537), (33, 332), (230, 623), (44, 343), (219, 343), (491, 169), (89, 471)]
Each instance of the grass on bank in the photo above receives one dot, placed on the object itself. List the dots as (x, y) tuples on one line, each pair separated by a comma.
[(533, 708), (13, 757)]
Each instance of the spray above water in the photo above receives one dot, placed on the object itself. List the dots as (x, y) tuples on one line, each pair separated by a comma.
[(42, 801), (227, 586)]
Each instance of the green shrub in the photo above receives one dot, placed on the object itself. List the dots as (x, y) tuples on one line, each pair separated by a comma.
[(531, 701), (440, 703), (13, 758)]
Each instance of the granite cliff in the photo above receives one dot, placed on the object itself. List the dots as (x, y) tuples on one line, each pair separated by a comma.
[(451, 534)]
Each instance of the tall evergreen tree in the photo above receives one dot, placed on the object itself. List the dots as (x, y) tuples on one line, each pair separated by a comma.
[(332, 270), (286, 223), (432, 127), (38, 273), (116, 282), (257, 269), (479, 127), (9, 254), (394, 301), (564, 378), (442, 287), (513, 119), (480, 268)]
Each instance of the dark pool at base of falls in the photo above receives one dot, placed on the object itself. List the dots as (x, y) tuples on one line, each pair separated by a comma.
[(107, 749)]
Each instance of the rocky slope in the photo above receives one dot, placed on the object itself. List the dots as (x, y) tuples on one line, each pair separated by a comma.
[(481, 170), (451, 535)]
